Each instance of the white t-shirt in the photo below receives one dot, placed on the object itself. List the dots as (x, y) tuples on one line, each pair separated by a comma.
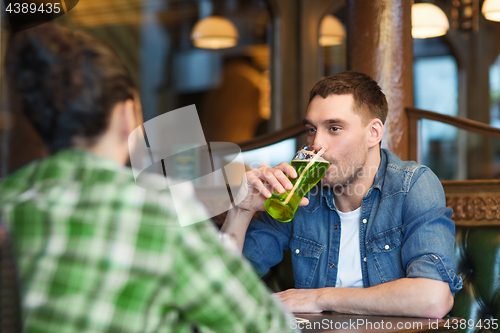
[(349, 267)]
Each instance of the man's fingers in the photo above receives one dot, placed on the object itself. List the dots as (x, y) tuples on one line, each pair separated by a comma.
[(265, 178), (288, 169), (277, 179), (304, 202), (274, 177), (285, 168), (281, 295), (256, 182)]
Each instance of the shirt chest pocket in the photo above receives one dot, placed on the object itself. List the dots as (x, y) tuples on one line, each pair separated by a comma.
[(305, 258), (385, 250)]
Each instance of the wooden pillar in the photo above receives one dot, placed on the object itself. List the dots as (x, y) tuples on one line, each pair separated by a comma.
[(380, 45), (482, 53), (284, 63)]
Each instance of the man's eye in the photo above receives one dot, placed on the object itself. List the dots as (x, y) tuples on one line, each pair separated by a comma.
[(311, 130), (334, 129)]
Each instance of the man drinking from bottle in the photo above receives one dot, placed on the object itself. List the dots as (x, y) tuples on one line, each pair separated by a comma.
[(374, 237)]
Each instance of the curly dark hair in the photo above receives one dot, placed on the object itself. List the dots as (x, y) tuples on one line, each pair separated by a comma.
[(66, 83), (368, 96)]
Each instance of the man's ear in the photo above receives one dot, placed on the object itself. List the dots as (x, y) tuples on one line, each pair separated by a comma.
[(128, 118), (139, 119), (376, 132)]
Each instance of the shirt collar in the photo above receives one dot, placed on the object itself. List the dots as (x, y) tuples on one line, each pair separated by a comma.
[(380, 175), (84, 158)]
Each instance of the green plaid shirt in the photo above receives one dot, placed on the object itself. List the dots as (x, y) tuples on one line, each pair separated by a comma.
[(97, 253)]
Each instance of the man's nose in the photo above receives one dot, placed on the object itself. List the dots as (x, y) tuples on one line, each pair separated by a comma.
[(319, 141)]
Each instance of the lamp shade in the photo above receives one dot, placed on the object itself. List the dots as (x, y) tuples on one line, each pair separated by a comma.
[(331, 31), (428, 20), (214, 32), (491, 10)]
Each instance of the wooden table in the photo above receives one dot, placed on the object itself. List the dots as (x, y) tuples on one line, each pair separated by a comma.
[(339, 322)]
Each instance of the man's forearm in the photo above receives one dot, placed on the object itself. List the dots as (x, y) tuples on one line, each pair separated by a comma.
[(236, 225), (418, 297), (414, 297)]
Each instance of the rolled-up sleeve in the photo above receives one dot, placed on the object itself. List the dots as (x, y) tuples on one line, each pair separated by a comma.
[(428, 231), (265, 241)]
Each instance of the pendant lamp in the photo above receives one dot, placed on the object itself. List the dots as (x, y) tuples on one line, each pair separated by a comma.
[(428, 20), (214, 32), (331, 31)]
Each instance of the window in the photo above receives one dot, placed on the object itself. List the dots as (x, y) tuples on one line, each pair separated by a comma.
[(435, 75)]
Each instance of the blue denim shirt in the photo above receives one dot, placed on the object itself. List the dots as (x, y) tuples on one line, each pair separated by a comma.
[(405, 231)]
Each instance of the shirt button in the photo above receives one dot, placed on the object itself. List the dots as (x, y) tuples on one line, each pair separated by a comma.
[(364, 221), (336, 227), (297, 251), (386, 247), (332, 265), (364, 259)]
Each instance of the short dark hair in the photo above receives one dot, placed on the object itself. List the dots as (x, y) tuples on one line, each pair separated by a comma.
[(65, 83), (369, 100)]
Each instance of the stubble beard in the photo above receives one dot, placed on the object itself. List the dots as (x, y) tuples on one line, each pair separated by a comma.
[(339, 178), (340, 181)]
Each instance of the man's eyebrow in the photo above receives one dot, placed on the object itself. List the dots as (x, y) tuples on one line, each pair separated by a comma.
[(333, 121), (326, 122)]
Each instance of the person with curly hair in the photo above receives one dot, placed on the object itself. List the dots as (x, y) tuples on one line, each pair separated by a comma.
[(96, 252)]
